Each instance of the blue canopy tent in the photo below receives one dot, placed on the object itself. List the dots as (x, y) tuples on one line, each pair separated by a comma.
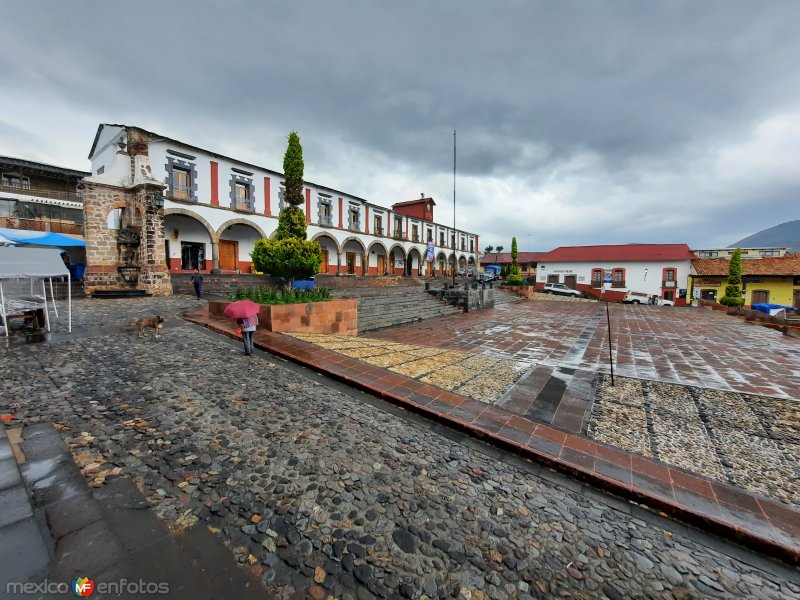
[(39, 238)]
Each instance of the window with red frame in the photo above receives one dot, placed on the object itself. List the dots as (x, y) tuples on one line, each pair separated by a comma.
[(618, 277), (597, 277)]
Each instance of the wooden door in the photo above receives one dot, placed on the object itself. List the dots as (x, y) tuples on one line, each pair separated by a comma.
[(571, 281), (381, 264), (323, 266), (351, 263), (228, 255), (760, 297), (796, 299)]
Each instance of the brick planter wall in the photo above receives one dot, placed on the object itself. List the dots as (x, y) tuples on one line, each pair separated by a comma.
[(525, 291), (338, 317)]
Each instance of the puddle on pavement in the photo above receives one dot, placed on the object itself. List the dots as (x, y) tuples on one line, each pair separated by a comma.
[(34, 471)]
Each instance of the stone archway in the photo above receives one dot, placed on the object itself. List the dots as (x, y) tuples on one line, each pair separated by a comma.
[(353, 256), (236, 240), (190, 241), (413, 263), (378, 258), (330, 253)]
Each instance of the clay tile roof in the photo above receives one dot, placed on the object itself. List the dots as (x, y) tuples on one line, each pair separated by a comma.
[(620, 253), (773, 265), (505, 257)]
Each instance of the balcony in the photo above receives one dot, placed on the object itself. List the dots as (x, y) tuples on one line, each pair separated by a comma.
[(354, 227), (326, 222), (378, 231), (243, 205), (415, 238), (41, 193), (668, 283), (182, 193), (398, 235), (42, 225), (618, 284)]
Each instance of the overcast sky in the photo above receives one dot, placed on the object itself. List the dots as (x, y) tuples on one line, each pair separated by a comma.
[(577, 123)]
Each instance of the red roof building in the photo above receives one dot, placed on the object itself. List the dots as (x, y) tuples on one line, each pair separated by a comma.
[(610, 271)]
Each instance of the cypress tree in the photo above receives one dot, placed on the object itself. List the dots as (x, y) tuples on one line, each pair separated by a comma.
[(733, 291)]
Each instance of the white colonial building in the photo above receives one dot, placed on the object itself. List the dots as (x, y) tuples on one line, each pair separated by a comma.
[(655, 269), (216, 207)]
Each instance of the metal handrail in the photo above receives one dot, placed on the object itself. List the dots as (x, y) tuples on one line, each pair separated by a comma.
[(51, 194)]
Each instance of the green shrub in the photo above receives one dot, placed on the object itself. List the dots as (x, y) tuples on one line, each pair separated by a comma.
[(283, 296), (288, 258)]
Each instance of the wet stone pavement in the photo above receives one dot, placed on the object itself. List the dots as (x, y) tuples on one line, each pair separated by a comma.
[(324, 494)]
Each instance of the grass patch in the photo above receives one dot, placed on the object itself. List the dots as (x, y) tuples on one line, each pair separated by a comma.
[(268, 295)]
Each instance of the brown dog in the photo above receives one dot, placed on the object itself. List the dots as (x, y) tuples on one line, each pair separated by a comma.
[(155, 322)]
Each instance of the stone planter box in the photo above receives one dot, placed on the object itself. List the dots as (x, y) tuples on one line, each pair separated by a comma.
[(526, 291), (339, 317)]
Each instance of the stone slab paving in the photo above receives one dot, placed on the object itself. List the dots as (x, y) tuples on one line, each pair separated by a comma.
[(321, 492), (746, 440)]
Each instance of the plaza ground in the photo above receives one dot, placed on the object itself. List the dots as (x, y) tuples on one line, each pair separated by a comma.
[(325, 491)]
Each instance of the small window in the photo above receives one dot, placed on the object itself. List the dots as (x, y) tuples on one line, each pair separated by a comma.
[(181, 183), (398, 227), (115, 219), (353, 215), (472, 245), (618, 278), (378, 225), (441, 238), (430, 235), (414, 233), (325, 213)]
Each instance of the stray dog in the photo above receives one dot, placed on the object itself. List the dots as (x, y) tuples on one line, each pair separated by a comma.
[(155, 322)]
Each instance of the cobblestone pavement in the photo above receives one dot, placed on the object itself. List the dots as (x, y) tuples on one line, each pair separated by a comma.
[(749, 441), (320, 491)]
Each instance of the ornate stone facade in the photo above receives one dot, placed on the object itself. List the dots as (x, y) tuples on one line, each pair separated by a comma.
[(124, 237)]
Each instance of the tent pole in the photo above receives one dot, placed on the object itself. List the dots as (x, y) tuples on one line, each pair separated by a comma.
[(3, 308), (69, 302), (46, 310), (53, 297)]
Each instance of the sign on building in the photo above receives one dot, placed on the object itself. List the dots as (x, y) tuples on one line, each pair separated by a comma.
[(431, 252)]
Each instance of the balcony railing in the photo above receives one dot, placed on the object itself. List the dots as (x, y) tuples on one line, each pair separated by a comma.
[(245, 205), (51, 194), (667, 283), (41, 225), (415, 238), (379, 231), (398, 235), (354, 227), (618, 284), (182, 193), (326, 221)]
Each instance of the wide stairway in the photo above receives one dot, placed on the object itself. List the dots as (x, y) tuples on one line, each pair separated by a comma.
[(389, 305)]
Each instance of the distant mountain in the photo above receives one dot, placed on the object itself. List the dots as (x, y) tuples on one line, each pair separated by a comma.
[(785, 235)]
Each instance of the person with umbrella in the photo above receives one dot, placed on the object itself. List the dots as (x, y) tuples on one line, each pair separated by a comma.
[(246, 314)]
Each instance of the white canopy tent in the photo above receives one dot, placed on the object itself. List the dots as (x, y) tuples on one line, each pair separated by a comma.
[(28, 265)]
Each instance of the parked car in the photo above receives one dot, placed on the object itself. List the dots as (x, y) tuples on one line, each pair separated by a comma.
[(561, 290), (642, 298)]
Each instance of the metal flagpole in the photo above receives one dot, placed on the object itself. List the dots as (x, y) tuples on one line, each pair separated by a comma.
[(455, 261)]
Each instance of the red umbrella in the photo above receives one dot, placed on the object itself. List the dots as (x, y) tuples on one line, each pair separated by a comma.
[(242, 309)]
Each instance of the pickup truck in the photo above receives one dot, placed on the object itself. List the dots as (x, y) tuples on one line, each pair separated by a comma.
[(642, 298), (561, 290)]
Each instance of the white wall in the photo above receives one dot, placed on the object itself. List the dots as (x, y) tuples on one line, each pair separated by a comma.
[(639, 276)]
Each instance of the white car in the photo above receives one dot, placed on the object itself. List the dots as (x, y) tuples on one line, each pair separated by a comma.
[(642, 298), (561, 290)]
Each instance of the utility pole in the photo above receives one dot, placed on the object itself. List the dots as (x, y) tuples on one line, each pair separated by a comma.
[(455, 260)]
